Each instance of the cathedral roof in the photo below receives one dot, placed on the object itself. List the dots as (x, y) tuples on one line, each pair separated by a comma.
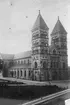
[(15, 56), (22, 55), (58, 28), (40, 23), (6, 56)]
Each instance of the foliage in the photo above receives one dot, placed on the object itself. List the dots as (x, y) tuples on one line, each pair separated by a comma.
[(6, 66)]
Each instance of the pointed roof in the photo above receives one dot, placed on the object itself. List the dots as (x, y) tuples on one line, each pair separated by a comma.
[(40, 23), (58, 28)]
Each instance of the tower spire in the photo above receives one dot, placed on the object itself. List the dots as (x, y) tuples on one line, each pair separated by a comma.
[(39, 11), (39, 23), (58, 28), (58, 17)]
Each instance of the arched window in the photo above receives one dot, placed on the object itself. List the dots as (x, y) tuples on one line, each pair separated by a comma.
[(35, 64), (18, 73), (21, 72), (54, 75), (28, 61), (15, 73), (54, 51), (18, 62), (25, 73), (12, 73), (21, 62), (63, 65), (29, 73), (54, 64), (51, 64), (44, 65)]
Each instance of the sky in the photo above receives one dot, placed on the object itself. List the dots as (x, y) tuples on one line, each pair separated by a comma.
[(16, 22)]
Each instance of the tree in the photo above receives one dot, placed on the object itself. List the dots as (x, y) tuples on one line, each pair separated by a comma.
[(6, 66), (1, 65), (5, 70)]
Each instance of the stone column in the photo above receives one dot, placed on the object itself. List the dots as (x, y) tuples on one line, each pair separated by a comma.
[(23, 72), (16, 73), (19, 74), (27, 72)]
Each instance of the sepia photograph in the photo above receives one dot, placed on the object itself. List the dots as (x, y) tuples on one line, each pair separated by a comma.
[(34, 52)]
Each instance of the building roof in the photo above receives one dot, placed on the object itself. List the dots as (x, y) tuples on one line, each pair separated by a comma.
[(7, 56), (16, 56), (22, 55), (40, 23), (58, 28)]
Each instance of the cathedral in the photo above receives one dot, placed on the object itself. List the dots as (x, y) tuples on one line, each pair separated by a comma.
[(45, 61)]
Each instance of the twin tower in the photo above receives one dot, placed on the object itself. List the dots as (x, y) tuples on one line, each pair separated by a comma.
[(49, 62)]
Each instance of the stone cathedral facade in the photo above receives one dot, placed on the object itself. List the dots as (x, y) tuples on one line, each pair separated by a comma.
[(44, 61)]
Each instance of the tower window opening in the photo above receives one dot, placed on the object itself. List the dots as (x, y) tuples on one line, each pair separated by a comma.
[(35, 64), (44, 65), (54, 51), (63, 65)]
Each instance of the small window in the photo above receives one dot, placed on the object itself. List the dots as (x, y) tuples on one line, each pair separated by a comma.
[(28, 61), (54, 51), (35, 64), (18, 62), (51, 64), (21, 72), (63, 65), (15, 73), (40, 62), (29, 73), (21, 62), (44, 65), (24, 73)]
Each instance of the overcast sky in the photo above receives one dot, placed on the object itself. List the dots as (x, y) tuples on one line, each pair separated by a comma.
[(17, 20)]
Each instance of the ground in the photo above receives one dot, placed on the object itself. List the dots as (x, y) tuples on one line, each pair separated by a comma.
[(6, 101)]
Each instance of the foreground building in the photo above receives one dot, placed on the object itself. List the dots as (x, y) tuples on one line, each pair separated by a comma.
[(44, 61)]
